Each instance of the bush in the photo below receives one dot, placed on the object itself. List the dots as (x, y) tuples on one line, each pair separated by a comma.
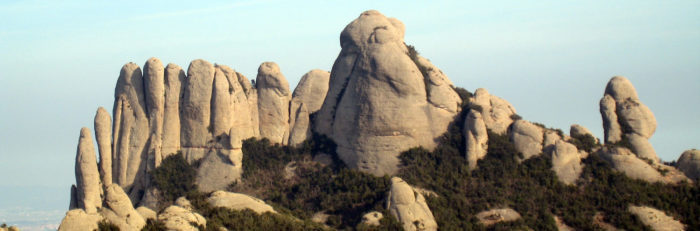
[(175, 177), (153, 225), (584, 142), (105, 225)]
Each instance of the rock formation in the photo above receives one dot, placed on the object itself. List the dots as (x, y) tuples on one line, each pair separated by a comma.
[(103, 135), (578, 130), (195, 110), (566, 162), (372, 218), (89, 188), (181, 219), (689, 163), (238, 201), (273, 103), (476, 137), (409, 207), (493, 216), (375, 87), (623, 160), (78, 219), (657, 220), (497, 113), (626, 118), (119, 210), (527, 138), (307, 99), (174, 77)]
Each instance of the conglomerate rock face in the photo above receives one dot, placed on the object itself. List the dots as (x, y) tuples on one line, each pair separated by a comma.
[(375, 88)]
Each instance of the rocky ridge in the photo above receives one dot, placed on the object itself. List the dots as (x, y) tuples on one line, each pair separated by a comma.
[(376, 85)]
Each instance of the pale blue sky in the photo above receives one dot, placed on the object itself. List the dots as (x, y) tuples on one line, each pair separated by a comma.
[(59, 61)]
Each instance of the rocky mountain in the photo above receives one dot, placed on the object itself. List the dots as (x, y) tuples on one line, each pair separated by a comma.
[(382, 141)]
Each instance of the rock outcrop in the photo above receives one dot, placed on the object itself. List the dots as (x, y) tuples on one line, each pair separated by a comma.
[(626, 118), (497, 113), (527, 138), (87, 177), (493, 216), (623, 160), (273, 103), (174, 77), (566, 162), (409, 207), (78, 219), (103, 135), (376, 85), (372, 218), (578, 130), (475, 137), (689, 163), (307, 99), (195, 110), (177, 218), (238, 201), (119, 210), (657, 220)]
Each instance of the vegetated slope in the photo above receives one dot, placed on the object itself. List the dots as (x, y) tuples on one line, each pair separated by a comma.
[(299, 188)]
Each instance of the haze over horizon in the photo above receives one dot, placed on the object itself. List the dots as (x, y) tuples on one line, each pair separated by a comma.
[(550, 59)]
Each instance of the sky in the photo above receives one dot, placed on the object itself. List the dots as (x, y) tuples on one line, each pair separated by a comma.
[(59, 61)]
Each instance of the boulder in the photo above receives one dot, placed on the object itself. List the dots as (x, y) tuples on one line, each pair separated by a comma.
[(689, 163), (238, 201), (154, 92), (476, 138), (578, 131), (78, 219), (527, 138), (623, 160), (372, 218), (378, 103), (550, 138), (409, 207), (642, 147), (120, 211), (307, 99), (87, 177), (497, 112), (566, 162), (177, 218), (130, 133), (146, 213), (493, 216), (636, 117), (174, 78), (219, 169), (103, 135), (273, 103), (657, 220), (195, 110)]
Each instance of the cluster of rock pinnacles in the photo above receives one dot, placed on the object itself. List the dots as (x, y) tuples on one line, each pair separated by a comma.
[(376, 102)]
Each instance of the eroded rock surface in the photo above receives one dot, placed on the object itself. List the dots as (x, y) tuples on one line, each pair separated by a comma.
[(87, 177), (493, 216), (238, 201), (566, 162), (476, 138), (527, 138), (375, 87), (307, 99), (409, 207), (656, 219), (497, 113), (273, 103), (689, 163), (180, 219)]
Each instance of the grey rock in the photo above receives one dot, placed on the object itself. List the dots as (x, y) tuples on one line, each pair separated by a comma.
[(130, 133), (656, 219), (642, 147), (120, 211), (566, 162), (195, 110), (103, 135), (177, 218), (273, 103), (307, 98), (493, 216), (375, 89), (409, 207), (527, 138), (372, 218), (689, 163), (154, 84), (496, 112), (238, 201), (87, 177), (174, 78), (78, 219), (219, 169), (476, 138), (578, 130), (611, 126)]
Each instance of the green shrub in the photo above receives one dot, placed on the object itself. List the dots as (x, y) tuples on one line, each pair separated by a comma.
[(105, 225), (584, 142), (175, 177), (154, 225)]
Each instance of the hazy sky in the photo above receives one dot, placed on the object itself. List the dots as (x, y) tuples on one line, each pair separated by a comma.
[(59, 61)]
